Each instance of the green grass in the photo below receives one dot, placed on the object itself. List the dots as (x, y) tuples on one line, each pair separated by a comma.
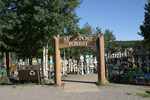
[(129, 93), (26, 84), (55, 85), (107, 78), (14, 86), (4, 80), (3, 84), (63, 84), (143, 89), (100, 84), (145, 95), (42, 82)]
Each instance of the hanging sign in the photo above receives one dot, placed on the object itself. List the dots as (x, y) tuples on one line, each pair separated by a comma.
[(77, 41)]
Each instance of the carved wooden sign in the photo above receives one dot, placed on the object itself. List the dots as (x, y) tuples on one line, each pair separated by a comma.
[(77, 41)]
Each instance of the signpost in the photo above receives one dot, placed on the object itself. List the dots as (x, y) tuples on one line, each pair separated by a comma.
[(79, 41)]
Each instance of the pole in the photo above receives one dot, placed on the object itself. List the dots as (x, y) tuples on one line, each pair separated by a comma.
[(101, 60), (57, 76)]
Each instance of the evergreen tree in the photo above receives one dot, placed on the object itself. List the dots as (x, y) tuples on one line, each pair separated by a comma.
[(87, 29), (145, 28), (7, 36), (98, 31), (35, 22), (28, 25), (109, 41)]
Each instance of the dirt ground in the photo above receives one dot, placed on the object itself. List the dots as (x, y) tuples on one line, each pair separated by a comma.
[(53, 92)]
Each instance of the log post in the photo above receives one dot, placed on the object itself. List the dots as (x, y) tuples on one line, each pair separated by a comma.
[(101, 60), (57, 74)]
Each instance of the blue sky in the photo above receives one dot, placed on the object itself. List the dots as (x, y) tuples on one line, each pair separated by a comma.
[(123, 17)]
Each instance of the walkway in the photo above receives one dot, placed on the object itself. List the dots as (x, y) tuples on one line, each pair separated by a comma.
[(81, 83)]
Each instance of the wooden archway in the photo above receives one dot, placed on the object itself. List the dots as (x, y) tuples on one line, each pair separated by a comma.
[(79, 41)]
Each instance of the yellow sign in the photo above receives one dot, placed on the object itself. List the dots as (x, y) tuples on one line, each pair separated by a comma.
[(51, 56), (33, 59), (13, 67)]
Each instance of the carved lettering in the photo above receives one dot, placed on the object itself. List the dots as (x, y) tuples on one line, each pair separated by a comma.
[(91, 38), (66, 39), (71, 44), (77, 40), (81, 38), (78, 43)]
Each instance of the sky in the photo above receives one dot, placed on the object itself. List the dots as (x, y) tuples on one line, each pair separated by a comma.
[(123, 17)]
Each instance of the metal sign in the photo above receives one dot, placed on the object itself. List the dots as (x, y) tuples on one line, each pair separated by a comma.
[(77, 41)]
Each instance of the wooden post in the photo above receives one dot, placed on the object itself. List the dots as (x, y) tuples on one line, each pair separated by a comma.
[(101, 60), (57, 76)]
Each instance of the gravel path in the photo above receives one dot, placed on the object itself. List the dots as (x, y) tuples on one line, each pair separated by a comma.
[(39, 92)]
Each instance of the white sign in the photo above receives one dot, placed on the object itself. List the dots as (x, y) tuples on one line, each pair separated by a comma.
[(81, 57)]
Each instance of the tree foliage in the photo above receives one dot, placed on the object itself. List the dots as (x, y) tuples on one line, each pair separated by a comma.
[(98, 31), (145, 28), (32, 23), (6, 26), (109, 41)]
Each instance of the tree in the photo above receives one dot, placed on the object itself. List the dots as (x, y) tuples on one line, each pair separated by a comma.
[(31, 24), (109, 41), (40, 20), (87, 29), (7, 37), (145, 28), (98, 31)]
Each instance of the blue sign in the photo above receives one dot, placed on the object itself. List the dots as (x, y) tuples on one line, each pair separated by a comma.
[(147, 76), (87, 56), (2, 71)]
